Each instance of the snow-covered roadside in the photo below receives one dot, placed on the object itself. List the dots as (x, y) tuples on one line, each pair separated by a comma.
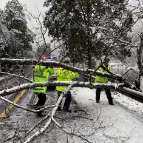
[(129, 103), (116, 124)]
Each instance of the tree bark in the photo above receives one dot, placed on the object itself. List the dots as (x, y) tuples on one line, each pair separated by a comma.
[(139, 62)]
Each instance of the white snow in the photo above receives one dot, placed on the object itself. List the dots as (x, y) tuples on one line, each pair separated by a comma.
[(98, 122), (120, 124)]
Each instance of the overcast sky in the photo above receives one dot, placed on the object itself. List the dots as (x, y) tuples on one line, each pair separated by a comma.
[(31, 4)]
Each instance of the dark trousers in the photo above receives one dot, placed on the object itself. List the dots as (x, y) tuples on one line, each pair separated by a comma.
[(67, 100), (41, 99), (108, 94)]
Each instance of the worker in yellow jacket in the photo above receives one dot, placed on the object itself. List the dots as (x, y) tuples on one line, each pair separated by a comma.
[(41, 74), (65, 75), (100, 79)]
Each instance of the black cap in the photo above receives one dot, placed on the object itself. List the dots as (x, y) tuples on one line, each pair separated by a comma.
[(106, 60)]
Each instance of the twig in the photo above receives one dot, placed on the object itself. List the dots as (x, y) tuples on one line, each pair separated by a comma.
[(42, 130), (30, 110), (69, 133)]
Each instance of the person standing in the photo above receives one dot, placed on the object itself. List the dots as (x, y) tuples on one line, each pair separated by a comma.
[(65, 75), (41, 74), (100, 79)]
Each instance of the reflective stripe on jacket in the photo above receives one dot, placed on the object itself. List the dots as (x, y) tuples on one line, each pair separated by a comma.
[(41, 74), (65, 75), (100, 79)]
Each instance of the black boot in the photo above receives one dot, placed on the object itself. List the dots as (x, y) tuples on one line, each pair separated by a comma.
[(59, 108), (111, 103), (40, 114), (67, 110)]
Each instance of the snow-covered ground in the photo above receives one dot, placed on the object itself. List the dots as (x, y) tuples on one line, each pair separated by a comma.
[(118, 124), (124, 101), (130, 104), (99, 123)]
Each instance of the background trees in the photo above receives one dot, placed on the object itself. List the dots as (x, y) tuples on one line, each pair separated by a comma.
[(16, 36), (79, 24)]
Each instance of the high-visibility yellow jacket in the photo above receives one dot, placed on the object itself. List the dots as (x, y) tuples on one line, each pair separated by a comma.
[(100, 79), (41, 74), (65, 75)]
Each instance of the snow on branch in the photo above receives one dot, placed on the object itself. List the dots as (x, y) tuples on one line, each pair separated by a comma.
[(42, 130), (137, 95), (13, 76), (58, 83), (52, 63), (30, 110), (52, 114)]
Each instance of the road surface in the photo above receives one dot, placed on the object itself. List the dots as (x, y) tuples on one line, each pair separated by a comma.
[(11, 82), (99, 123)]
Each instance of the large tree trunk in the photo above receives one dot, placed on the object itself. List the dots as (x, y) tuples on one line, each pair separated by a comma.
[(89, 56), (88, 32), (139, 61)]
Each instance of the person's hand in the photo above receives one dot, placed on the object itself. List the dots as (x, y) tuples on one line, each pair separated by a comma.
[(91, 87)]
